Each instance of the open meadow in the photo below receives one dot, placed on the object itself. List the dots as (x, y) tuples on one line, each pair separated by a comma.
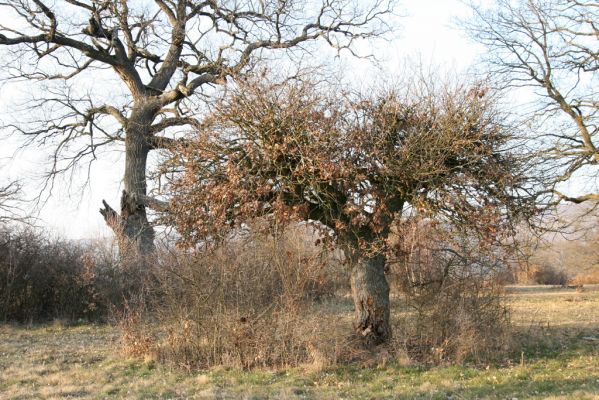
[(555, 356)]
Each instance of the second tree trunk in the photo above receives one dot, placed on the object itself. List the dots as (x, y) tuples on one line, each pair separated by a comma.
[(370, 292)]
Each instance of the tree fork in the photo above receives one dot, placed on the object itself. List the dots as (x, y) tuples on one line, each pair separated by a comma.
[(131, 227)]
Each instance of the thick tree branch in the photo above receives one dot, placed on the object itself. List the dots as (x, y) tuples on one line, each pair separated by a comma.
[(112, 218), (155, 204), (175, 121), (577, 199), (162, 142), (171, 60)]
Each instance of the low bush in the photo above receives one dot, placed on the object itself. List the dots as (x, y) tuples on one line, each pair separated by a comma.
[(44, 278), (269, 301), (586, 278), (258, 301), (454, 308), (545, 274)]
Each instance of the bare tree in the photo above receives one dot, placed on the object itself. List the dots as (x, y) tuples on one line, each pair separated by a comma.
[(551, 46), (354, 164), (9, 196), (163, 52)]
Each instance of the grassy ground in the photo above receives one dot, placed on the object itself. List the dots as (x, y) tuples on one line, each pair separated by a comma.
[(558, 359)]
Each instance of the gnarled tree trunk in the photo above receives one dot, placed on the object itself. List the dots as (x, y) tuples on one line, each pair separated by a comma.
[(370, 292), (131, 227)]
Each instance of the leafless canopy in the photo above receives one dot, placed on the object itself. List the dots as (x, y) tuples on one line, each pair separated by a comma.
[(161, 53), (9, 196), (553, 47)]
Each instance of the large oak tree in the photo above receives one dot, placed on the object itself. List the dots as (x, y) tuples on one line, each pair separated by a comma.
[(163, 52)]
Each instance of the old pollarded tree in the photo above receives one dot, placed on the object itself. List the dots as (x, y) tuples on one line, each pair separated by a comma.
[(353, 164)]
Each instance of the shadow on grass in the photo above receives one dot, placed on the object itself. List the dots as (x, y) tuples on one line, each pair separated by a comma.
[(547, 289), (543, 343), (517, 388)]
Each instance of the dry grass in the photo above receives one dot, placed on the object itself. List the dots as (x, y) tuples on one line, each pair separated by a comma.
[(560, 360), (258, 302), (554, 306)]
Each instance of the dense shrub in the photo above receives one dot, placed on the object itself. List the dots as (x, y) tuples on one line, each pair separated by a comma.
[(546, 274), (448, 283), (265, 301), (258, 301), (587, 278), (44, 278)]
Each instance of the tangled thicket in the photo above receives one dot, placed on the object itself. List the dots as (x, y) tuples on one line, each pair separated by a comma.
[(450, 282), (350, 162), (44, 278), (256, 301), (278, 300)]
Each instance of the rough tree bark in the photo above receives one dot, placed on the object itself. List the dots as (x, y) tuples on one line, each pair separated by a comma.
[(370, 292), (132, 228)]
